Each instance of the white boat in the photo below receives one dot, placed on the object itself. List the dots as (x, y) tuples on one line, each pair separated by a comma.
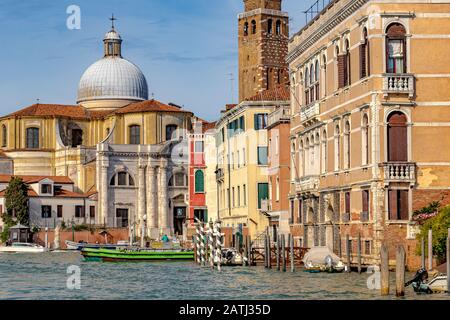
[(19, 247), (322, 259)]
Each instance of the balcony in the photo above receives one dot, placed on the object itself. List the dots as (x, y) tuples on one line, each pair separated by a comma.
[(281, 114), (399, 172), (309, 114), (307, 184), (219, 174), (398, 84)]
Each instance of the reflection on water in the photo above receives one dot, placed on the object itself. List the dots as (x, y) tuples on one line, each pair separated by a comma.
[(44, 276)]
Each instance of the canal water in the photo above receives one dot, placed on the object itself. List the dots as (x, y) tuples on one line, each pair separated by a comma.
[(44, 276)]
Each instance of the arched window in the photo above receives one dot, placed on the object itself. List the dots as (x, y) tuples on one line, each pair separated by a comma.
[(170, 131), (324, 151), (32, 138), (347, 146), (77, 137), (307, 157), (135, 134), (306, 86), (269, 26), (246, 29), (347, 64), (278, 27), (301, 159), (199, 181), (396, 48), (253, 27), (122, 179), (4, 136), (324, 76), (317, 81), (397, 137), (277, 189), (179, 179), (337, 148), (338, 69), (365, 139), (364, 56)]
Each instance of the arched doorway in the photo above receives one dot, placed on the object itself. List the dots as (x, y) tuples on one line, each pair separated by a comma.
[(329, 225), (397, 137)]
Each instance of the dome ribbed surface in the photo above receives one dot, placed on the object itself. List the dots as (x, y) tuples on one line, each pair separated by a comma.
[(113, 78)]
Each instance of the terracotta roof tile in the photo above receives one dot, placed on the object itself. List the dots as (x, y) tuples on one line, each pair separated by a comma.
[(147, 106), (280, 93), (80, 113), (5, 178), (52, 110)]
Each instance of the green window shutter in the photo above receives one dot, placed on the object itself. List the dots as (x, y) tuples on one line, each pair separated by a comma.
[(241, 123), (256, 122), (263, 193), (199, 181)]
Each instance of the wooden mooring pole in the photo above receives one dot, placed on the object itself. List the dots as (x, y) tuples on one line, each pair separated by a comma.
[(278, 252), (359, 254), (347, 245), (269, 251), (400, 272), (250, 251), (266, 264), (384, 272), (283, 251), (448, 261), (430, 249), (291, 245), (422, 258)]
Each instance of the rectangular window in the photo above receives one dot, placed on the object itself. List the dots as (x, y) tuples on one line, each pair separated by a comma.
[(291, 220), (300, 213), (79, 211), (262, 156), (260, 121), (396, 56), (122, 218), (263, 193), (199, 146), (46, 188), (32, 135), (242, 123), (367, 247), (92, 211), (46, 212), (59, 211), (239, 196), (201, 215), (244, 190), (135, 134), (365, 201), (234, 203), (398, 205), (243, 157), (347, 202)]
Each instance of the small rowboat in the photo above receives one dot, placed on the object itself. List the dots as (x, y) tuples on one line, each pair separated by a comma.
[(70, 245), (119, 255), (18, 247)]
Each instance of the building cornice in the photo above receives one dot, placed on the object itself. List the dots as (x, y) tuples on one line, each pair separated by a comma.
[(339, 16), (270, 12)]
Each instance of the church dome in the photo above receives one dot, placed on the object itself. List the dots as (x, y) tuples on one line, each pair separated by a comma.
[(112, 78)]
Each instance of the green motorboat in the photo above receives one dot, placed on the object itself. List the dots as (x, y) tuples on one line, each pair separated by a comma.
[(131, 254)]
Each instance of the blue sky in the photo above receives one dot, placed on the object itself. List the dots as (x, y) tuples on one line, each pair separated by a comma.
[(186, 48)]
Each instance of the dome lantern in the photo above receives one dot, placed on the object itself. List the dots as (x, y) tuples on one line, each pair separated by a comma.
[(113, 41)]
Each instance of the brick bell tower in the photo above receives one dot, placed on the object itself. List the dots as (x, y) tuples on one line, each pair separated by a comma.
[(263, 47)]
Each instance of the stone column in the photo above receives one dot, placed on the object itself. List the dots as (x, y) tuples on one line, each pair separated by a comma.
[(163, 200), (103, 219), (141, 200), (152, 197)]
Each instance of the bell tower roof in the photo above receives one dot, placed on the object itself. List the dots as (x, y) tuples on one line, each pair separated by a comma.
[(262, 4), (112, 41)]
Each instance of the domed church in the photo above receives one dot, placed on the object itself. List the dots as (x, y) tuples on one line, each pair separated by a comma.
[(119, 148)]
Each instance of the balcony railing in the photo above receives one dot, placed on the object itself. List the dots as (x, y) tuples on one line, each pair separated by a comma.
[(364, 216), (279, 115), (398, 83), (219, 174), (346, 217), (307, 184), (399, 171), (310, 112)]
